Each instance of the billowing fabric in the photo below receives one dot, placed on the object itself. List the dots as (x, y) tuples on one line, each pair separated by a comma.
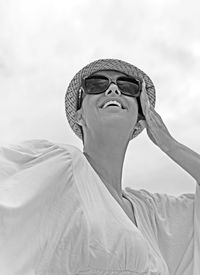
[(58, 218)]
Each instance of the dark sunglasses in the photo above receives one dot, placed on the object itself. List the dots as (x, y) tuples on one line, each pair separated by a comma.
[(97, 84)]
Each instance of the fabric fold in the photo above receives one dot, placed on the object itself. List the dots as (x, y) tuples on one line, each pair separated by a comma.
[(35, 179), (173, 223), (57, 217)]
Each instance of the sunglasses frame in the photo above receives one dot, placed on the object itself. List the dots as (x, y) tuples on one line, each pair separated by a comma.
[(83, 88)]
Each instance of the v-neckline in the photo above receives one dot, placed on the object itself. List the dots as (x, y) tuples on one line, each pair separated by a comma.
[(134, 207)]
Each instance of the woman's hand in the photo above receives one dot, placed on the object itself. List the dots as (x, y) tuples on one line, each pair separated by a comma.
[(156, 129)]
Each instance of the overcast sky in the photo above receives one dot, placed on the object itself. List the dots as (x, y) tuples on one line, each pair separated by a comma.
[(44, 43)]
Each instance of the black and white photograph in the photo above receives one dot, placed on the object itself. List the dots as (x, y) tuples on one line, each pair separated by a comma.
[(100, 137)]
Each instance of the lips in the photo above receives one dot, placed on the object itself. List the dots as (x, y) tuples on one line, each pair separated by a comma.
[(113, 99)]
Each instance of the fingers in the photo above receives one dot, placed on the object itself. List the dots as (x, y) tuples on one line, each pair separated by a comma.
[(144, 99), (148, 109)]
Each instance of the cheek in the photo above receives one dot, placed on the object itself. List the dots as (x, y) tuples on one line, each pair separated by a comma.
[(89, 105), (90, 102), (133, 111), (134, 106)]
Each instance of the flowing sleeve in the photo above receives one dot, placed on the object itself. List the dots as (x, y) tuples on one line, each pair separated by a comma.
[(176, 224), (37, 207)]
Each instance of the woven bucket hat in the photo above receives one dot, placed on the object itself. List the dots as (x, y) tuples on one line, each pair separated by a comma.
[(71, 95)]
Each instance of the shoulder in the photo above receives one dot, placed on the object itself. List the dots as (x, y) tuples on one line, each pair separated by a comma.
[(39, 146), (161, 201), (33, 151)]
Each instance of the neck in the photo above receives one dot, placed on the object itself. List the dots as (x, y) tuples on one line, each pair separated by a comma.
[(107, 160)]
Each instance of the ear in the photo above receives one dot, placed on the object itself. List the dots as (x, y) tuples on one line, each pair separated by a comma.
[(79, 118)]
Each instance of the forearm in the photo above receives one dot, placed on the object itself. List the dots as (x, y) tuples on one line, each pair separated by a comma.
[(185, 157)]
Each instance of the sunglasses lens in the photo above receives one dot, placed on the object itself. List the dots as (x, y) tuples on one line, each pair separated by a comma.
[(96, 84), (128, 86)]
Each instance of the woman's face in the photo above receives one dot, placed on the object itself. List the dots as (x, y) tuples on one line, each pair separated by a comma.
[(94, 117)]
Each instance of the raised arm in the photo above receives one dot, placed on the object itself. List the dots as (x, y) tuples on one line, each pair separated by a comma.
[(160, 136)]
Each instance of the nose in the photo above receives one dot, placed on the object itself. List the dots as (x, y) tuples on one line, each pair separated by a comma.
[(112, 89)]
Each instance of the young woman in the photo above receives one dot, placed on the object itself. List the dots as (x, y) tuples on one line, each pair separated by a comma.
[(63, 211)]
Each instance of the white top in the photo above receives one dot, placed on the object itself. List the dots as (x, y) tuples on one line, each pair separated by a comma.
[(58, 218)]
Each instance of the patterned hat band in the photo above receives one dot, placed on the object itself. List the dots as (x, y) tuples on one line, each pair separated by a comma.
[(71, 95)]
